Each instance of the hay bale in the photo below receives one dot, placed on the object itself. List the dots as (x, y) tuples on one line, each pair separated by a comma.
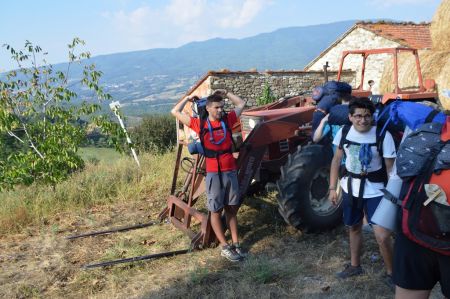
[(434, 64), (443, 84), (440, 27)]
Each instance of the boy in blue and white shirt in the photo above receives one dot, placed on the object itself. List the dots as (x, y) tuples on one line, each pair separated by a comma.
[(361, 186)]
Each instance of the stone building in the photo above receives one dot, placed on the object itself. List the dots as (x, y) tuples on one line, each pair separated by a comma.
[(366, 35), (249, 85)]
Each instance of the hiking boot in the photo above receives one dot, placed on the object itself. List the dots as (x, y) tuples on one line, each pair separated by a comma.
[(230, 254), (350, 271), (239, 250), (387, 279)]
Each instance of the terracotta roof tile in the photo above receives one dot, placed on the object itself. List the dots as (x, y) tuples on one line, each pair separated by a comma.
[(408, 34)]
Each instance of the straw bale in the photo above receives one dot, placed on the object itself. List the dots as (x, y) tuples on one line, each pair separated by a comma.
[(440, 27), (443, 84), (434, 65)]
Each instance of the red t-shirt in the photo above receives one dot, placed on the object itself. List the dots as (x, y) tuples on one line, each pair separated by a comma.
[(226, 160)]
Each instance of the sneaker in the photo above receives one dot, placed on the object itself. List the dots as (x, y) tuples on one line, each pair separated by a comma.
[(350, 271), (230, 254), (387, 279), (238, 248)]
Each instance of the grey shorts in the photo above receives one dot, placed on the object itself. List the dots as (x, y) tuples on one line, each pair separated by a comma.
[(218, 197)]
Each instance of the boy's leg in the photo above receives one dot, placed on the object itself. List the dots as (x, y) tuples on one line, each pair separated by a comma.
[(216, 201), (355, 234), (384, 241), (382, 235), (232, 203), (215, 204), (231, 215), (216, 224), (401, 293), (353, 220)]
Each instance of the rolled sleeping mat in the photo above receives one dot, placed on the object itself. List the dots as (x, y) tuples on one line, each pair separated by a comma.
[(195, 148), (387, 211)]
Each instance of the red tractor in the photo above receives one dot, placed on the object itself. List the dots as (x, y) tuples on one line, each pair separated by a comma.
[(276, 147)]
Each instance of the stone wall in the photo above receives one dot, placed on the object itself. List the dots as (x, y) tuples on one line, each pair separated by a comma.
[(249, 85), (356, 40)]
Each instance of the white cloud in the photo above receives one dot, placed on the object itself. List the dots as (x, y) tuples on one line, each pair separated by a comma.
[(238, 14), (186, 12), (182, 21)]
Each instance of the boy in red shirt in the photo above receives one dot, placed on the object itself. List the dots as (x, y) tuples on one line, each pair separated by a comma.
[(222, 188)]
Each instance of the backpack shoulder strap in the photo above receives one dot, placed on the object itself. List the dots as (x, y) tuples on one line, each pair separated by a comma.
[(345, 130), (225, 120), (379, 139), (431, 115), (202, 133)]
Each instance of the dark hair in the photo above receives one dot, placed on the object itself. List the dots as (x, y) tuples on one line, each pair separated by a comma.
[(362, 103), (214, 98), (346, 97)]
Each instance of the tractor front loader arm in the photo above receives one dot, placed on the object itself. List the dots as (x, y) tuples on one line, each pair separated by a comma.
[(283, 126)]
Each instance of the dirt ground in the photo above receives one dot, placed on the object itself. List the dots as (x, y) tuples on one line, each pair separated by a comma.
[(283, 262)]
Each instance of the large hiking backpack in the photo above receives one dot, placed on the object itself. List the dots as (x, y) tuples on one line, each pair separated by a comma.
[(339, 87), (425, 220), (326, 97)]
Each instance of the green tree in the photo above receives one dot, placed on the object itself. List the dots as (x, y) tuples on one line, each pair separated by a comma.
[(43, 128), (266, 96), (156, 133)]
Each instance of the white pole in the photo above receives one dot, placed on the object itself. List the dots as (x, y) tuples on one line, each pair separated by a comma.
[(115, 108)]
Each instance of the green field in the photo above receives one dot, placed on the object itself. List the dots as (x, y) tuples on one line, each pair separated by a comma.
[(105, 155)]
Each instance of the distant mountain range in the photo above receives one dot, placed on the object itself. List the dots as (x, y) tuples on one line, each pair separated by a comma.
[(152, 80)]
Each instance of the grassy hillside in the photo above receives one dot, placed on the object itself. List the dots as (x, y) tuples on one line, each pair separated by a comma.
[(109, 179), (37, 261)]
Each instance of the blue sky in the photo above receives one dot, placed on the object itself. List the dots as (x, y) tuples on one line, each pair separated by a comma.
[(111, 26)]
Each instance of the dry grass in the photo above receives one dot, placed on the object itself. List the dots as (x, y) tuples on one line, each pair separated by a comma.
[(38, 262), (99, 184), (440, 27), (284, 262)]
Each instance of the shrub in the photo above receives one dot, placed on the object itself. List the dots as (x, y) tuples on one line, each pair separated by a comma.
[(266, 96), (156, 134)]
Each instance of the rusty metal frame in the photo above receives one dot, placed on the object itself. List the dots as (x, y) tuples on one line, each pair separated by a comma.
[(180, 209), (398, 92)]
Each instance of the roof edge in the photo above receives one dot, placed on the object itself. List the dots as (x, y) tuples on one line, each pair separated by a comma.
[(339, 39)]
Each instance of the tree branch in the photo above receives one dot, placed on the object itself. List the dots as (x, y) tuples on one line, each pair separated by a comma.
[(31, 142), (10, 133)]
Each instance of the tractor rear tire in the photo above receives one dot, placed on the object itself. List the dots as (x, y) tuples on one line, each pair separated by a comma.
[(303, 189)]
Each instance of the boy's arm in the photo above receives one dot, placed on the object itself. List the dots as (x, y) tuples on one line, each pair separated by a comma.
[(177, 111), (389, 162), (334, 174), (389, 152), (238, 103), (318, 133)]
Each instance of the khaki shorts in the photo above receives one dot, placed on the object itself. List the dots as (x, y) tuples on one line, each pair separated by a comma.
[(227, 195)]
